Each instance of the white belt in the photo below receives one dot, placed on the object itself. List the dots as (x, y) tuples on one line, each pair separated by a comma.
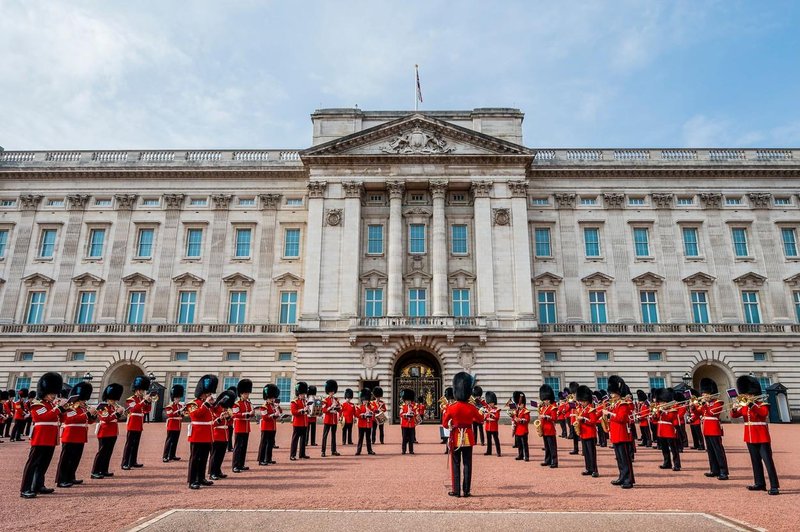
[(68, 425), (223, 427), (710, 417), (55, 424), (136, 414), (752, 423), (665, 422), (202, 422)]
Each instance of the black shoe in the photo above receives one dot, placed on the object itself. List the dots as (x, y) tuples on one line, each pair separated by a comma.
[(755, 487), (165, 460), (27, 495), (544, 464), (275, 447), (213, 477), (292, 458), (676, 468), (97, 476), (595, 474), (45, 491), (617, 482), (306, 457), (64, 485), (323, 455), (709, 474), (357, 454), (518, 458), (205, 482), (126, 468), (138, 465), (573, 452), (774, 491), (76, 482), (263, 463), (453, 494), (272, 462), (107, 474), (664, 466), (627, 486), (371, 452), (412, 452), (194, 486), (722, 477), (334, 453), (487, 454), (467, 494), (554, 466), (237, 470), (176, 458), (527, 459)]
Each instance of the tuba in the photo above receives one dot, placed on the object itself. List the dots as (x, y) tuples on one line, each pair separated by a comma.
[(576, 425)]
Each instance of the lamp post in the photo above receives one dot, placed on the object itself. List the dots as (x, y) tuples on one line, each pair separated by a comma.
[(87, 377), (152, 377), (686, 378)]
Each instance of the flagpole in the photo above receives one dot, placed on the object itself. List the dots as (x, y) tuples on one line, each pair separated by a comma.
[(416, 99)]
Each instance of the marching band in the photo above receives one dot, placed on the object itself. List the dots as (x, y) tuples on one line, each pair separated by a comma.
[(61, 412)]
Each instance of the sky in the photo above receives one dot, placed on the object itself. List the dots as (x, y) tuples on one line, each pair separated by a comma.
[(247, 74)]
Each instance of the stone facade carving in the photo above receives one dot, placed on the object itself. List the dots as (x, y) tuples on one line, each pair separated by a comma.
[(418, 141), (519, 189), (750, 280), (316, 189), (333, 217), (711, 200), (648, 280), (481, 189), (87, 279), (466, 356), (760, 200), (173, 201), (565, 200), (699, 279), (613, 200), (396, 189), (37, 280), (269, 201), (126, 202), (369, 356), (438, 189), (663, 200), (221, 201), (77, 202), (501, 216), (187, 279), (30, 202), (597, 280), (353, 189)]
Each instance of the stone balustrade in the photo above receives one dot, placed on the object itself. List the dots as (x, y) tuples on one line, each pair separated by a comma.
[(134, 158), (681, 156), (667, 328), (146, 328)]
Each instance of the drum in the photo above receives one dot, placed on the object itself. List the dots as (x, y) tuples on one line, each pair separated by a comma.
[(380, 417), (316, 409)]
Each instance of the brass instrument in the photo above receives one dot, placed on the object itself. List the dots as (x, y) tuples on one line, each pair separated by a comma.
[(576, 425), (537, 424), (744, 399)]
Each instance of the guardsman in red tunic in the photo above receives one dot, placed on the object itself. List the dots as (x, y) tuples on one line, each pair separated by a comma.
[(408, 420), (299, 410), (107, 429), (378, 406), (174, 414), (444, 402), (28, 418), (137, 406), (421, 408), (665, 416), (587, 418), (200, 428), (477, 400), (561, 412), (75, 433), (755, 414), (571, 406), (331, 410), (311, 420), (44, 436), (643, 415), (8, 406), (4, 416), (221, 418), (695, 422), (365, 416), (348, 417), (20, 414), (491, 419), (548, 414), (458, 418), (709, 409), (619, 412), (600, 400), (521, 419), (243, 414), (680, 420), (268, 424)]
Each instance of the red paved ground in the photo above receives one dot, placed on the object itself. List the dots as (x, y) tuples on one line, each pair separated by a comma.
[(392, 481)]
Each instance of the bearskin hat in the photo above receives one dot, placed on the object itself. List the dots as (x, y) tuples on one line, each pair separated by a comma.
[(365, 394), (12, 394), (83, 390), (626, 391), (206, 384), (448, 393), (583, 393), (477, 392), (301, 388), (708, 386), (573, 387), (226, 399), (113, 391), (177, 391), (348, 393), (377, 392), (244, 386), (271, 392), (407, 394), (3, 395), (491, 397), (615, 383), (312, 390), (31, 394), (518, 397), (331, 386), (748, 385), (50, 382), (546, 393), (462, 386), (641, 396), (66, 391), (664, 395)]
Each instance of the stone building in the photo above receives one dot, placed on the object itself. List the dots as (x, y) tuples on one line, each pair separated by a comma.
[(399, 249)]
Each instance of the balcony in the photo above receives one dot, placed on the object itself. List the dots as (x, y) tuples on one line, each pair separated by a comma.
[(668, 328), (147, 329), (420, 322)]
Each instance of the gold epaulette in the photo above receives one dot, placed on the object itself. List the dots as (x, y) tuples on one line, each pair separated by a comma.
[(36, 402)]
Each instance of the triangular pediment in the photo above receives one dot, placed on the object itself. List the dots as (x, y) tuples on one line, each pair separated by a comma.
[(648, 279), (750, 280), (288, 279), (547, 279), (87, 278), (699, 279), (793, 281), (416, 135), (37, 279), (137, 279), (238, 279), (188, 279), (597, 279)]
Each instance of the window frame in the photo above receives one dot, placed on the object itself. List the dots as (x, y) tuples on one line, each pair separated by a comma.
[(291, 306), (41, 307), (80, 317), (748, 306), (599, 305), (43, 231), (412, 239), (371, 303), (654, 303), (696, 231), (139, 305), (746, 243), (190, 230), (415, 302), (140, 230), (237, 232), (544, 315), (461, 302), (241, 307), (596, 230), (453, 239), (189, 318), (370, 240), (637, 230), (91, 244), (696, 305), (287, 243), (548, 243)]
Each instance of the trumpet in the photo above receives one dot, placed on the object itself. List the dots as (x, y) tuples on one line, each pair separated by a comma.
[(745, 399)]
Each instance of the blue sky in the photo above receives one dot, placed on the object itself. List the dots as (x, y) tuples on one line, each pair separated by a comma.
[(211, 74)]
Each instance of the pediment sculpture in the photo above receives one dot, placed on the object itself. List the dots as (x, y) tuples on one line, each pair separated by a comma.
[(417, 141)]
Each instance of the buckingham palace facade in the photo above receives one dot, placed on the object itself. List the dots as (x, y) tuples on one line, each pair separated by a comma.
[(402, 247)]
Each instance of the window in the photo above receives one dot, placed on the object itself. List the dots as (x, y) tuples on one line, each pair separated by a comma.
[(22, 382), (26, 356), (547, 307), (685, 201), (151, 202), (417, 298), (602, 356), (458, 240), (198, 202), (243, 243), (641, 242), (654, 356), (796, 298), (85, 312), (285, 356), (104, 202), (47, 243), (3, 242), (461, 302), (782, 201), (649, 306), (765, 383), (96, 240), (181, 356), (247, 202), (284, 384), (789, 241), (690, 248), (591, 240), (35, 308), (291, 243), (657, 382), (194, 243), (373, 304), (8, 203), (750, 303), (238, 305), (78, 356), (375, 239), (699, 306), (72, 381), (180, 381), (187, 301), (417, 238), (554, 382), (542, 237), (232, 356), (376, 198), (733, 201), (288, 308), (635, 201), (229, 382), (759, 356), (144, 246), (597, 306), (294, 202), (55, 202), (458, 197), (602, 383), (417, 198), (540, 201), (551, 356), (588, 201), (739, 235), (136, 307)]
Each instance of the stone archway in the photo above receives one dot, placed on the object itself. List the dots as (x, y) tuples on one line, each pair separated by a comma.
[(717, 372), (122, 373), (420, 371)]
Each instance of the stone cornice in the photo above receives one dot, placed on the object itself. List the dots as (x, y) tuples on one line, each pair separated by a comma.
[(653, 172)]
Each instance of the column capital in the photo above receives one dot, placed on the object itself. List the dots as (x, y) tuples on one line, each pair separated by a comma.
[(173, 201), (663, 200), (221, 201), (438, 188), (565, 200), (77, 202), (353, 189), (29, 202), (316, 189), (711, 200), (125, 202), (760, 200), (396, 189), (519, 189), (614, 200), (269, 201), (481, 189)]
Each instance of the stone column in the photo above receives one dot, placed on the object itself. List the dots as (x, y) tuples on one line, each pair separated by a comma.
[(522, 248), (262, 288), (484, 260), (439, 249), (76, 204), (216, 260), (19, 259), (394, 286), (568, 228), (312, 258), (166, 260), (117, 255), (349, 287)]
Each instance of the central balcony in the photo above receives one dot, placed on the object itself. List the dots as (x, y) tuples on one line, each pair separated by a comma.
[(420, 322)]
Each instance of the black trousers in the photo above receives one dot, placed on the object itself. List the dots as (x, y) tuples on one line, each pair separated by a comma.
[(717, 461), (364, 434), (347, 434), (654, 435), (68, 462), (298, 438), (198, 459), (266, 446), (171, 444), (575, 439), (217, 452), (623, 452), (522, 446), (683, 438), (311, 434), (27, 429), (669, 448), (589, 455), (229, 444), (697, 437), (459, 457), (477, 429), (377, 427), (550, 450), (16, 432), (563, 424), (762, 452), (130, 453), (7, 426), (240, 450), (36, 468), (602, 438), (492, 436), (102, 460), (647, 438), (408, 439), (329, 429)]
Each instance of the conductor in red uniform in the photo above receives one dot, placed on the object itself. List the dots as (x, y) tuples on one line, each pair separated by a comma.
[(619, 412), (756, 433), (174, 414), (199, 431), (137, 405), (75, 424), (459, 418), (242, 416)]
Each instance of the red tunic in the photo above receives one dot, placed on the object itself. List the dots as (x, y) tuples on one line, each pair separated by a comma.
[(219, 424), (200, 423), (522, 418), (421, 408), (709, 415), (589, 419), (491, 418), (408, 416), (174, 413), (299, 413), (107, 422), (137, 408), (348, 412), (682, 415), (377, 406), (268, 416), (365, 416), (459, 418), (242, 413), (547, 415), (666, 424), (330, 410), (45, 424), (19, 410), (75, 426), (643, 412), (756, 429), (619, 428)]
